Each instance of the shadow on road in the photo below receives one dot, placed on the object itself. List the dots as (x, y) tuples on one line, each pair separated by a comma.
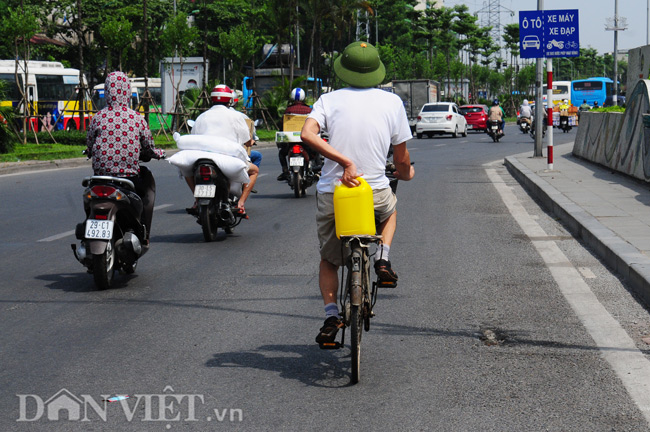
[(81, 282), (306, 363)]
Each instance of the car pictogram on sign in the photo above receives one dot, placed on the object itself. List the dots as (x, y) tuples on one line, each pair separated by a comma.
[(530, 41)]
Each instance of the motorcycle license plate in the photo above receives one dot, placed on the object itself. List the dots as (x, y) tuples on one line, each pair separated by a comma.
[(99, 229), (495, 128), (205, 191), (296, 161)]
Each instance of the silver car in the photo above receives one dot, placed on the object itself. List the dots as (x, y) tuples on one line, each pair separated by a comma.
[(440, 118)]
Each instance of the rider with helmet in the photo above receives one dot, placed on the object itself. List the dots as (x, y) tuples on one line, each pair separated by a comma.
[(524, 111), (223, 122), (564, 111), (297, 106), (496, 114)]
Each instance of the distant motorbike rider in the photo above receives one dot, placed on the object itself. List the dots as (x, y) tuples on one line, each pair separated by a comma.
[(496, 114), (221, 121), (118, 138), (564, 112), (584, 107), (297, 106), (525, 112)]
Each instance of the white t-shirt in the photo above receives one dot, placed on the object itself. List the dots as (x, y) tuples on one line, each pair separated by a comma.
[(223, 122), (362, 124)]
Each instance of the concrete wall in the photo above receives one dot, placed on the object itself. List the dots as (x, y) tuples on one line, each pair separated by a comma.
[(616, 140), (638, 66)]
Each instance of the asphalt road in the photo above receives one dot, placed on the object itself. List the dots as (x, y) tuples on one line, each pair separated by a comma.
[(220, 336)]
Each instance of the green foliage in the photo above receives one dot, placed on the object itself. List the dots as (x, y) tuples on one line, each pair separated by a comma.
[(118, 35), (7, 138), (277, 99), (69, 138), (609, 109), (443, 44), (178, 38)]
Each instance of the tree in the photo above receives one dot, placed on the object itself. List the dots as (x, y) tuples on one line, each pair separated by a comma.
[(118, 36), (179, 41), (511, 39), (18, 27)]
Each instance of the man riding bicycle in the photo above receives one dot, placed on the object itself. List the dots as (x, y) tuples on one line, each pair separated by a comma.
[(362, 123)]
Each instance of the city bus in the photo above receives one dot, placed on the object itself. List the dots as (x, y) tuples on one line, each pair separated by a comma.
[(561, 91), (595, 89), (137, 92), (52, 90)]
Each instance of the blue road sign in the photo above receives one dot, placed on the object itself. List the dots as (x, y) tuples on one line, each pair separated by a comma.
[(531, 34), (551, 33), (561, 35)]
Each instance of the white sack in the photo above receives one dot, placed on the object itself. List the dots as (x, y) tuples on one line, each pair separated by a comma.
[(232, 167), (212, 144)]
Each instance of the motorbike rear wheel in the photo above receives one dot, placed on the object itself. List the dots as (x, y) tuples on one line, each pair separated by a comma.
[(296, 180), (104, 266), (208, 224)]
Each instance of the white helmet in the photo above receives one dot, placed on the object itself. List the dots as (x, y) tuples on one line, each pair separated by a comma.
[(565, 100), (297, 94)]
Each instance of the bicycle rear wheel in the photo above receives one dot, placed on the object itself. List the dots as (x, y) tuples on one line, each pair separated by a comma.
[(357, 290), (356, 328)]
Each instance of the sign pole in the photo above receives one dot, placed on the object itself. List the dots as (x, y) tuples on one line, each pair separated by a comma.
[(549, 103), (539, 116)]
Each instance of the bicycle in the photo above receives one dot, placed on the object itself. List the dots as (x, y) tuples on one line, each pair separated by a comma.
[(359, 297)]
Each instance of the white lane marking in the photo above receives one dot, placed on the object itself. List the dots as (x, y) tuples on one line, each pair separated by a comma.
[(615, 345), (56, 237), (69, 233), (262, 175)]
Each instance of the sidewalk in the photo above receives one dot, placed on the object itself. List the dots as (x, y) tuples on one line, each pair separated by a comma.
[(607, 210)]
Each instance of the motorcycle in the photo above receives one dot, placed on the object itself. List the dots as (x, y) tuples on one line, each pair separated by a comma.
[(494, 131), (113, 236), (302, 174), (564, 124), (216, 205), (524, 125)]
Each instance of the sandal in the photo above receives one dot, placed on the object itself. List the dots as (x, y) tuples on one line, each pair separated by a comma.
[(327, 333), (386, 275), (241, 213), (194, 210)]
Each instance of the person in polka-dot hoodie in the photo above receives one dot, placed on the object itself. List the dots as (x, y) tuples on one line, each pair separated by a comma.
[(119, 137)]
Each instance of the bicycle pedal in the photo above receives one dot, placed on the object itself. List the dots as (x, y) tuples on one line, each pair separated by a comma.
[(330, 345), (386, 284)]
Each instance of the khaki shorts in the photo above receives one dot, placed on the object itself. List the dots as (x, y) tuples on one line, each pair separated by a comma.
[(330, 246)]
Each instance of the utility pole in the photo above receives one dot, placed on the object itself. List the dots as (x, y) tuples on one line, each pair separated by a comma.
[(615, 24)]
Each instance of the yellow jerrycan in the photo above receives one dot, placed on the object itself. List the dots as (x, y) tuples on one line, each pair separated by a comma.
[(354, 209)]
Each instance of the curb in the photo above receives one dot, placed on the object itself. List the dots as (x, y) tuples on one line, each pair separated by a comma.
[(35, 165), (618, 254)]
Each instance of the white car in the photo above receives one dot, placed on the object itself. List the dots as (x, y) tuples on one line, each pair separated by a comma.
[(440, 118)]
